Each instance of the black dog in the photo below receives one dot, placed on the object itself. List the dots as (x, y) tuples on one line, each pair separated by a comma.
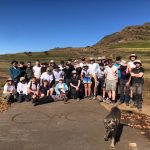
[(111, 123)]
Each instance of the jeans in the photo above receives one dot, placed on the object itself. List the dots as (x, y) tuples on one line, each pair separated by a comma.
[(124, 91), (137, 94), (74, 93), (23, 97), (100, 86)]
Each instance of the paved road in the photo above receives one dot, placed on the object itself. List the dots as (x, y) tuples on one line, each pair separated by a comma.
[(58, 126)]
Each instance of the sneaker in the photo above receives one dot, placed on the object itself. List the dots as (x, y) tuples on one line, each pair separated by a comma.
[(127, 104), (131, 101), (104, 99), (78, 100), (140, 109), (94, 97), (119, 103), (90, 98), (113, 103), (85, 97), (108, 101)]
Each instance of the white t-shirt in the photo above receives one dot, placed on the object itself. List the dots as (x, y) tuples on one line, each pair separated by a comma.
[(37, 72), (94, 67), (33, 87), (22, 88), (131, 64), (48, 77), (86, 73), (58, 74), (111, 73), (100, 74), (8, 88)]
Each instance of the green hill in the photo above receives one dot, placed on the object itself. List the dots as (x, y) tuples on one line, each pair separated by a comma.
[(129, 37)]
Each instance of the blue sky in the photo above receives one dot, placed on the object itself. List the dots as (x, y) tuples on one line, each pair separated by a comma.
[(37, 25)]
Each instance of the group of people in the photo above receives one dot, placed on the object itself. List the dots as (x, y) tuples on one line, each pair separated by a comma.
[(116, 82)]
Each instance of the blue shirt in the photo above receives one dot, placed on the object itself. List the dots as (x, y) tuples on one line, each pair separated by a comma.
[(119, 72)]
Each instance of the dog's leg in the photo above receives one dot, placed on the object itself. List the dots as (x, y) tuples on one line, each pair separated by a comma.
[(106, 136), (112, 146)]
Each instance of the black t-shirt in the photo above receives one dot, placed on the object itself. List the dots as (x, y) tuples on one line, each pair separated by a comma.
[(136, 79), (23, 71), (43, 69), (74, 80), (68, 71), (44, 89)]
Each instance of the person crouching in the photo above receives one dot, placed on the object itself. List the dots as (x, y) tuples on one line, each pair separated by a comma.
[(33, 89), (22, 90), (75, 84), (9, 92), (61, 87), (45, 89)]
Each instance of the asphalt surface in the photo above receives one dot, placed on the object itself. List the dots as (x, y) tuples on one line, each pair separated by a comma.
[(58, 126)]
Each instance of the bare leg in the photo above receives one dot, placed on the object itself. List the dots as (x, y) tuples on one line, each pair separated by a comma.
[(85, 89), (113, 95), (89, 89), (104, 92), (109, 94), (51, 91)]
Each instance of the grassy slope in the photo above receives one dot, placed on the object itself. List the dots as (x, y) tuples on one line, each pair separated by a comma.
[(133, 44)]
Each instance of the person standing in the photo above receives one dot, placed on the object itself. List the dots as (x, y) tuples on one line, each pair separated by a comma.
[(47, 76), (124, 84), (86, 76), (14, 72), (29, 71), (131, 66), (37, 70), (22, 67), (44, 67), (101, 81), (57, 74), (137, 83), (111, 81), (93, 66)]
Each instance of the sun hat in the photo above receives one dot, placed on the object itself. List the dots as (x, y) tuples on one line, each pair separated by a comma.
[(52, 61), (48, 69), (14, 61), (137, 62), (76, 61), (9, 79), (103, 57), (61, 79), (123, 63), (85, 65), (74, 72), (83, 59), (22, 78), (99, 58), (133, 55), (91, 59), (56, 67)]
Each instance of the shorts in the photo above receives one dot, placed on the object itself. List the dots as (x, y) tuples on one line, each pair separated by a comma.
[(111, 85), (86, 80), (101, 83)]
